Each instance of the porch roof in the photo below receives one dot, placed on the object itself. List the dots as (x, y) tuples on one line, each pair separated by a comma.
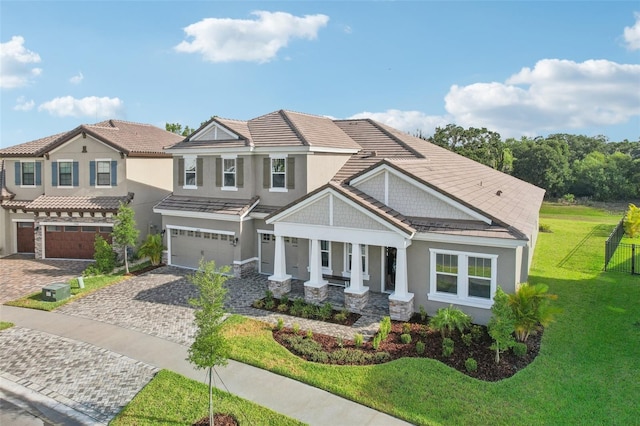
[(46, 203), (207, 205), (461, 227)]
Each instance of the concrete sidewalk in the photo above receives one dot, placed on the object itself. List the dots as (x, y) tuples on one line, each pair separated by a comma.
[(286, 396)]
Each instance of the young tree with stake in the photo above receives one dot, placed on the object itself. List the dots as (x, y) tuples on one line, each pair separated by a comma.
[(125, 232)]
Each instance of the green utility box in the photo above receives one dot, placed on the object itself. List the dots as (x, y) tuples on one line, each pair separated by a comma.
[(55, 292)]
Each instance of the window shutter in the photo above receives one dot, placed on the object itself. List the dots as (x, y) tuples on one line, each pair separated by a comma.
[(54, 173), (181, 171), (218, 172), (92, 173), (291, 172), (199, 170), (18, 173), (75, 174), (38, 173), (114, 173), (266, 173), (240, 172)]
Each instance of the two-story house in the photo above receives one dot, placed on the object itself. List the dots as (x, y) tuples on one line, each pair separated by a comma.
[(349, 202), (59, 191)]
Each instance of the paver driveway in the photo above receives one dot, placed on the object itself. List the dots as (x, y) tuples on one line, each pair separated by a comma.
[(21, 275)]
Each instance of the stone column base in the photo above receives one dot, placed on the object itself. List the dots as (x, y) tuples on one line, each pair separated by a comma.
[(279, 287), (401, 308), (356, 300), (316, 293), (165, 257), (243, 270)]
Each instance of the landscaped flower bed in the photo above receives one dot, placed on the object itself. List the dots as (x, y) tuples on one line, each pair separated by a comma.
[(299, 308), (332, 350)]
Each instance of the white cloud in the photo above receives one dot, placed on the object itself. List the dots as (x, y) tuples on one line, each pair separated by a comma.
[(91, 106), (632, 34), (555, 94), (259, 40), (409, 121), (22, 104), (16, 64), (77, 79)]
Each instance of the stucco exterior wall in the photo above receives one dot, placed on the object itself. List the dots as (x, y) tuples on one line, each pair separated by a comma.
[(419, 273), (24, 192), (321, 168), (73, 150)]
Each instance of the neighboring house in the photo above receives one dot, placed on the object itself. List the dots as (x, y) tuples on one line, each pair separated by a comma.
[(353, 203), (59, 191)]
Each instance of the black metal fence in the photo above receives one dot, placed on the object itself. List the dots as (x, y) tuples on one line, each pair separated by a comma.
[(621, 257)]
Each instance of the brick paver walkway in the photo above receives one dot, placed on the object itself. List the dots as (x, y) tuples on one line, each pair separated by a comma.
[(21, 275), (94, 381)]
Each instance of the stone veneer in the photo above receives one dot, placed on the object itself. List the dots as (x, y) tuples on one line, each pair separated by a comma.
[(400, 310), (316, 294), (64, 219), (280, 288), (356, 301), (243, 270)]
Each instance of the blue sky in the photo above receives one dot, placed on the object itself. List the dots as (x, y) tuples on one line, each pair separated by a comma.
[(518, 68)]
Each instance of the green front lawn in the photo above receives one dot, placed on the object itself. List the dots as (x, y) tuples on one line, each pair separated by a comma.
[(4, 325), (172, 399), (586, 373)]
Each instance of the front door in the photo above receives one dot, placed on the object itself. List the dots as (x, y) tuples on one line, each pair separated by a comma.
[(390, 270), (26, 240)]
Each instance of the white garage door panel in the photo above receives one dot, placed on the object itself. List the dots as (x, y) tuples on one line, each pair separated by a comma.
[(188, 247)]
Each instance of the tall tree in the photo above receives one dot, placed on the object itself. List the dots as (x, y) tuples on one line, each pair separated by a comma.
[(209, 347), (177, 129), (542, 162), (481, 145), (125, 232)]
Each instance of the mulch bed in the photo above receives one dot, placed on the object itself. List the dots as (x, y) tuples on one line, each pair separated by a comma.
[(144, 270), (350, 317), (479, 350)]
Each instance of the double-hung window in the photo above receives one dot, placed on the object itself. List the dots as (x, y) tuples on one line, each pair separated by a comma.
[(190, 171), (103, 172), (278, 173), (463, 278), (229, 172), (325, 253), (28, 173), (65, 173)]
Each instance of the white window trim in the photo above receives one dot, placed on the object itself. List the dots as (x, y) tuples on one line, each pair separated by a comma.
[(365, 253), (59, 180), (195, 159), (463, 281), (34, 174), (108, 160), (277, 157), (235, 173)]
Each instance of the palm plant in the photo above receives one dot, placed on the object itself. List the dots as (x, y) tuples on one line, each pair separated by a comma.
[(448, 319), (531, 307), (152, 248)]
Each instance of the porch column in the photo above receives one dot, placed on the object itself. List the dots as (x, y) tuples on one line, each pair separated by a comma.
[(356, 295), (316, 289), (401, 301), (279, 282)]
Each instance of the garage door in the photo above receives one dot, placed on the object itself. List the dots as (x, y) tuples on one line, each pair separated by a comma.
[(188, 247), (73, 242), (26, 240)]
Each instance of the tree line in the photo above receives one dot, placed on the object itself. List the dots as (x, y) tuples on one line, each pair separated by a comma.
[(564, 165)]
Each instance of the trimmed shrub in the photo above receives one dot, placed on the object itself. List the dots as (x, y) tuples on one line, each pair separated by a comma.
[(447, 347), (375, 343), (104, 255), (405, 338), (307, 348), (406, 328), (309, 334), (519, 349), (471, 364), (467, 339), (296, 327), (279, 324), (385, 328), (420, 347), (358, 339)]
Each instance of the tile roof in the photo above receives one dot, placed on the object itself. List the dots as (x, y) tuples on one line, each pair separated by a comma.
[(206, 205), (15, 204), (278, 129), (48, 203), (5, 194), (134, 139)]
